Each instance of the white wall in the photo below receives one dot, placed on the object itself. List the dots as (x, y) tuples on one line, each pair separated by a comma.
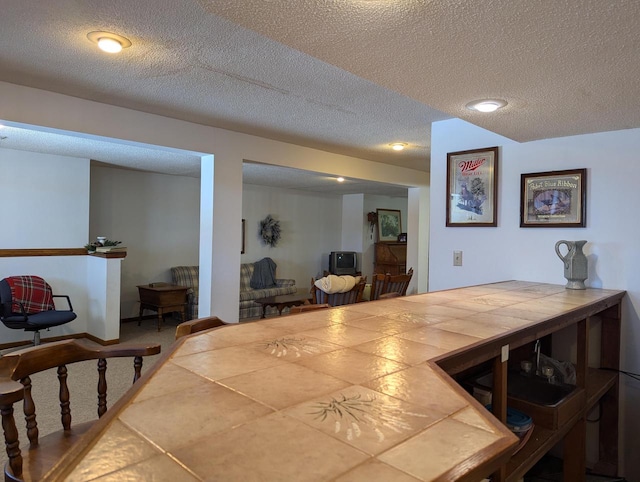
[(510, 252), (310, 225), (54, 215), (352, 221), (154, 215), (47, 201), (23, 106), (418, 239), (157, 217)]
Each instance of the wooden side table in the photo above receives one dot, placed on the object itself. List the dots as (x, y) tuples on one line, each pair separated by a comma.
[(163, 298)]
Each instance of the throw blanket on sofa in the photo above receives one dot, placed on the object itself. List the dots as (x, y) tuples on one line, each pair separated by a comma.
[(337, 284), (264, 274)]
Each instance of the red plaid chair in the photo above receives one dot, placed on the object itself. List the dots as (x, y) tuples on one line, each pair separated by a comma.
[(27, 303)]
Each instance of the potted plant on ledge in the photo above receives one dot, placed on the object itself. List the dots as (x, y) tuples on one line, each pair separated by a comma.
[(104, 245)]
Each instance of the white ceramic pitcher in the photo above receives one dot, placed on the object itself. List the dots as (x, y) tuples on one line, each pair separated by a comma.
[(576, 268)]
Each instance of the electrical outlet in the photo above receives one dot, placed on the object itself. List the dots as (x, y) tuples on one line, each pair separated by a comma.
[(457, 258)]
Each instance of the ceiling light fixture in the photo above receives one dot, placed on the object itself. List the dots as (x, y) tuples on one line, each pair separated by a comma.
[(486, 105), (109, 42), (398, 146), (340, 179)]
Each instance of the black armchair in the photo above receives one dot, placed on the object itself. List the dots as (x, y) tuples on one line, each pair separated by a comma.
[(27, 303)]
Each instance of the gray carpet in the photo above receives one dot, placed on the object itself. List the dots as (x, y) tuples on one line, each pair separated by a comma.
[(83, 379)]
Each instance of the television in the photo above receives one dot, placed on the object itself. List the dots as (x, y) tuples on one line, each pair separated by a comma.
[(343, 262)]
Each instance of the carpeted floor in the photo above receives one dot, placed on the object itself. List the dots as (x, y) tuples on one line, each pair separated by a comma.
[(83, 378)]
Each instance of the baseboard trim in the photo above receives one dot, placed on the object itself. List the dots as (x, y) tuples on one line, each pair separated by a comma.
[(28, 343), (137, 318), (101, 341)]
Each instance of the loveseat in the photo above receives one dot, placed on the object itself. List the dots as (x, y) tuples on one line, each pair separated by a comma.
[(188, 276)]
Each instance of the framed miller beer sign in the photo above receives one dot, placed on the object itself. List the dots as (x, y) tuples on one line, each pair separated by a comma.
[(472, 188), (554, 199)]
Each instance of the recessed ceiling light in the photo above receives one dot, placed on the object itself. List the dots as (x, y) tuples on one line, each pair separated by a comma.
[(398, 146), (109, 42), (486, 105), (340, 179)]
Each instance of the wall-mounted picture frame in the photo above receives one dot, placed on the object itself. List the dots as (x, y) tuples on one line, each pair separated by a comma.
[(472, 188), (243, 230), (389, 225), (554, 199)]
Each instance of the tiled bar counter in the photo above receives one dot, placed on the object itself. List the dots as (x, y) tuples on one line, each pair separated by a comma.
[(362, 392)]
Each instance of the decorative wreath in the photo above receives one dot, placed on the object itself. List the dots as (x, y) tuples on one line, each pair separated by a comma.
[(270, 231)]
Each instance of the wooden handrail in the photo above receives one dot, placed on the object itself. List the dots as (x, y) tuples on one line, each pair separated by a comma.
[(16, 253)]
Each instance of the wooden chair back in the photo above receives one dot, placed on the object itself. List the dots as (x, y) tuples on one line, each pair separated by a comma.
[(378, 285), (200, 324), (16, 369), (354, 295), (398, 283), (304, 308)]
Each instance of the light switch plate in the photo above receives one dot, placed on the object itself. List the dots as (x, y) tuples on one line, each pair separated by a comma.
[(457, 258)]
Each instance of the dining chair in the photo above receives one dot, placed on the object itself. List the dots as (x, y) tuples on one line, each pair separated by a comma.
[(197, 325), (378, 285), (16, 370), (398, 283), (354, 295)]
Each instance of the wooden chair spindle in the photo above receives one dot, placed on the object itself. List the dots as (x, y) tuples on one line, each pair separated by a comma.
[(11, 439), (137, 368), (29, 409), (65, 406), (102, 387)]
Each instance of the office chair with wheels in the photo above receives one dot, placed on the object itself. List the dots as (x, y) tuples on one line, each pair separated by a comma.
[(27, 303)]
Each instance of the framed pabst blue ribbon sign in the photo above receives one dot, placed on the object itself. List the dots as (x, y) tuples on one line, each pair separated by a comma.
[(554, 199), (472, 188)]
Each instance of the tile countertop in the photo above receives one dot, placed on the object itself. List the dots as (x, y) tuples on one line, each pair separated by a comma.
[(344, 394)]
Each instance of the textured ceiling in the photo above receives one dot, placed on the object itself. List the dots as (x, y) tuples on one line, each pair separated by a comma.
[(565, 66), (346, 76)]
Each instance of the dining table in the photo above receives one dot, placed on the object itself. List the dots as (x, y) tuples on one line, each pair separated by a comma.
[(360, 392)]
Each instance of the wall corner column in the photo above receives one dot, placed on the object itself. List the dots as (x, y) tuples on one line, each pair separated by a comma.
[(220, 238)]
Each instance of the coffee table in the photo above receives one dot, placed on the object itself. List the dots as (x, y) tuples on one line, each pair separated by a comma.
[(284, 301)]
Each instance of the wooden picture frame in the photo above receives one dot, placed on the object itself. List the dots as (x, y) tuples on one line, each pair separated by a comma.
[(472, 188), (243, 231), (389, 225), (554, 199)]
